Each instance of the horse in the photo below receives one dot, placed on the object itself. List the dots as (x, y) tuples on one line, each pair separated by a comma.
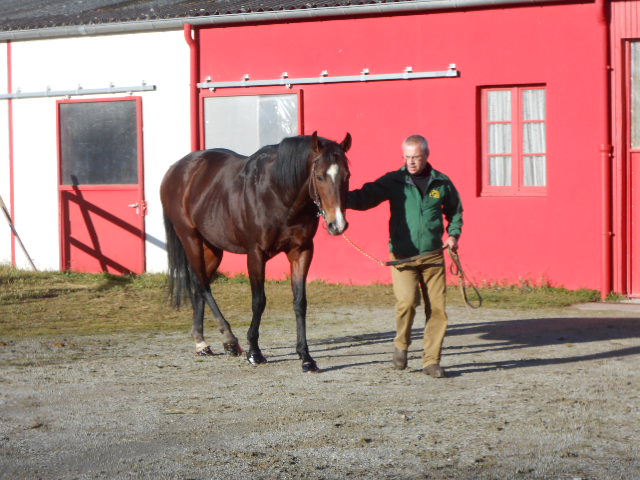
[(269, 202)]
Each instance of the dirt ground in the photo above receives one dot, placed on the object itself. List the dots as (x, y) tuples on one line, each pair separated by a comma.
[(546, 394)]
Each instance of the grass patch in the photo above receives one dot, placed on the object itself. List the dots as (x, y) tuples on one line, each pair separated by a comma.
[(528, 297), (68, 303)]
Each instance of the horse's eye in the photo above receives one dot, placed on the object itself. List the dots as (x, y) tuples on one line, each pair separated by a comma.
[(319, 178)]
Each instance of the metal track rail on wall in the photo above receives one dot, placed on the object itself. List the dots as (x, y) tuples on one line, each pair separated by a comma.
[(324, 77), (78, 91)]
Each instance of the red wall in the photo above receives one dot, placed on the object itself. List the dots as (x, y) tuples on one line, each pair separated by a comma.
[(625, 27), (554, 238)]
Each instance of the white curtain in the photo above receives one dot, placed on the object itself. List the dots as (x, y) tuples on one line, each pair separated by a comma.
[(500, 171), (532, 152), (534, 137), (534, 104), (500, 137), (499, 104)]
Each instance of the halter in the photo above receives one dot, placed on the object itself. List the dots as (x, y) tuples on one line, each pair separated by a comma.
[(313, 191)]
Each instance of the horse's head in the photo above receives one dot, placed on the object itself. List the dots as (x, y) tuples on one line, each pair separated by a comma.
[(329, 180)]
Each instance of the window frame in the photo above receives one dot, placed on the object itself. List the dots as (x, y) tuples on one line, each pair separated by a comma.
[(517, 187)]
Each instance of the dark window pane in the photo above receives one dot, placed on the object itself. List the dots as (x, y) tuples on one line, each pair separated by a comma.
[(99, 142)]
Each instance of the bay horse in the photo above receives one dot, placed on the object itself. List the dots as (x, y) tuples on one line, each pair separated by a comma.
[(270, 202)]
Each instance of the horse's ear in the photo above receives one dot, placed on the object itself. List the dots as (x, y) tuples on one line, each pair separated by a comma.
[(315, 146), (346, 143)]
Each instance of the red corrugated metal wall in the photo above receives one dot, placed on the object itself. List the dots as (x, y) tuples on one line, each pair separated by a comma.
[(625, 26), (555, 238)]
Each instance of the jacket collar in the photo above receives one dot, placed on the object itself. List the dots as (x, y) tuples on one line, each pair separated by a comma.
[(435, 175)]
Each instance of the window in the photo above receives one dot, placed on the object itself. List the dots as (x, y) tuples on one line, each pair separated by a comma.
[(514, 141), (244, 123), (99, 142)]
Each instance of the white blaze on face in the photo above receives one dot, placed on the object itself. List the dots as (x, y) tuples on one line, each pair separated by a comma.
[(332, 171), (340, 222)]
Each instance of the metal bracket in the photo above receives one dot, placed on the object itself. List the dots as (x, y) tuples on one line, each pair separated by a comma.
[(80, 90), (365, 76)]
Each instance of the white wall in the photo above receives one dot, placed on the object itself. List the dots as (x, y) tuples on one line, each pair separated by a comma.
[(158, 58)]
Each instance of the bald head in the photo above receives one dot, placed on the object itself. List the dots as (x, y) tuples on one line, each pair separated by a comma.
[(417, 140), (415, 150)]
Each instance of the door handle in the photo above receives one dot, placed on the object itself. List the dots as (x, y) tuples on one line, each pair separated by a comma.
[(139, 205)]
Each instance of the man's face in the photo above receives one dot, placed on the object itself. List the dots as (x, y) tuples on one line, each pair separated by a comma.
[(415, 157)]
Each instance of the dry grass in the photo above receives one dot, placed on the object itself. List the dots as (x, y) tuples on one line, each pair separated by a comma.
[(64, 303)]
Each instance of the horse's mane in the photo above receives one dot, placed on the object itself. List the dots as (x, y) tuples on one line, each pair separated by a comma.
[(291, 167), (290, 161)]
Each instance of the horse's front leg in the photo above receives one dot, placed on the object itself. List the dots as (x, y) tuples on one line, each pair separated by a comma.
[(256, 267), (300, 261)]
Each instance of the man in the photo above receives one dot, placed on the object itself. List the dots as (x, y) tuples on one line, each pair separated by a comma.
[(419, 197)]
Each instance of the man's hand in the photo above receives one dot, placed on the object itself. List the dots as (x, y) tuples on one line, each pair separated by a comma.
[(452, 243)]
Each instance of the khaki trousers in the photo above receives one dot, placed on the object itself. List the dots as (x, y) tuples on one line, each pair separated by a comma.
[(427, 276)]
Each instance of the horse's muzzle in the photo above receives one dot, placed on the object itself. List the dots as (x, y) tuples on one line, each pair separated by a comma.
[(337, 228)]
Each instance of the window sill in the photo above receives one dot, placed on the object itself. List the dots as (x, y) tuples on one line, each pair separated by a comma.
[(514, 192)]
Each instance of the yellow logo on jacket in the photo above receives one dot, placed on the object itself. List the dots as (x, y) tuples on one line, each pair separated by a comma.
[(434, 194)]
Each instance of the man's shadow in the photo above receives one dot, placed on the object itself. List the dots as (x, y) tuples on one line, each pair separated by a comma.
[(503, 335), (542, 332)]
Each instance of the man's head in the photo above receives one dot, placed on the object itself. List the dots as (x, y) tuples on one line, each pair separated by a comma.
[(415, 150)]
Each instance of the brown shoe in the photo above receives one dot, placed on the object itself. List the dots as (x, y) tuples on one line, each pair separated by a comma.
[(435, 371), (399, 359)]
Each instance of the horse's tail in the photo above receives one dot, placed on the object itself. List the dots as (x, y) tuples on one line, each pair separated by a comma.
[(180, 273)]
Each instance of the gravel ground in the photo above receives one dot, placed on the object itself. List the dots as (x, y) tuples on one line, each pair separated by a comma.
[(547, 394)]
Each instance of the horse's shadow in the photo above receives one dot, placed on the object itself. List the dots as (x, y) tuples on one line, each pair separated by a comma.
[(503, 335)]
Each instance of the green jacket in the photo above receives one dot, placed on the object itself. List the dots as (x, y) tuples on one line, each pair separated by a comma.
[(416, 225)]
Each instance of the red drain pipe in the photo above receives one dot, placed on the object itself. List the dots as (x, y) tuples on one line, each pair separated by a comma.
[(606, 153), (191, 36)]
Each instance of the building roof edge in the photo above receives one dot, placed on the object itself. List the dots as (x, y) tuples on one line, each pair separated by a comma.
[(142, 26)]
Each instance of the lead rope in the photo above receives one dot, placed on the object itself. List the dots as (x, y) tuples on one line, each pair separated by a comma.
[(363, 252), (455, 268)]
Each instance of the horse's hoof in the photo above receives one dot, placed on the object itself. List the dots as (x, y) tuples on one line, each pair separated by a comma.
[(233, 349), (256, 358), (310, 367), (205, 352)]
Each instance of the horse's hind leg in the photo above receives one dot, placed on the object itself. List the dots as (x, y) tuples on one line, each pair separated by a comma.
[(197, 331), (204, 261), (213, 257)]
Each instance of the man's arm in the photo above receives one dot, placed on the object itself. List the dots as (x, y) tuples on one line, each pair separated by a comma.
[(453, 214), (370, 195)]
